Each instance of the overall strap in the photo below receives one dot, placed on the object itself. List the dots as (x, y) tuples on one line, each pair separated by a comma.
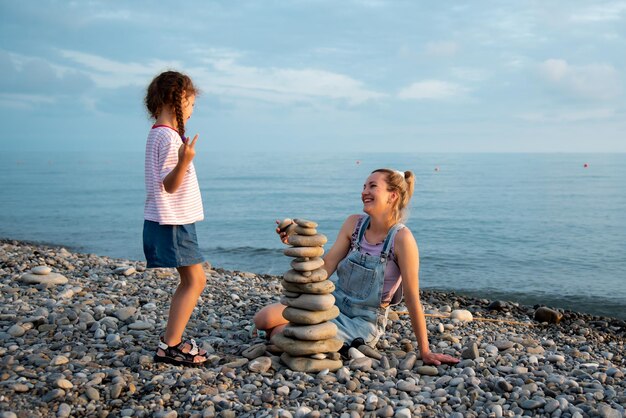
[(391, 235), (361, 227)]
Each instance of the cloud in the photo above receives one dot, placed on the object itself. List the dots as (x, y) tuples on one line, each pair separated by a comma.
[(432, 90), (611, 11), (592, 81), (442, 48), (285, 84), (569, 115), (222, 74), (24, 101), (34, 77), (107, 73)]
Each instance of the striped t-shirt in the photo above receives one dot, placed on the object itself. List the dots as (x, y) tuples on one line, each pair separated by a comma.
[(182, 207)]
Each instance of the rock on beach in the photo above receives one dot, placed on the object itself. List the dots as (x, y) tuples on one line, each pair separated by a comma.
[(90, 354)]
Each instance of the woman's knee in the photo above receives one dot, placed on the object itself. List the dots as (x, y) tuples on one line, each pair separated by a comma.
[(269, 316)]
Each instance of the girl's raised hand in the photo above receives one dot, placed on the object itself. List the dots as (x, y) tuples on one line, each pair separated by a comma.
[(187, 150)]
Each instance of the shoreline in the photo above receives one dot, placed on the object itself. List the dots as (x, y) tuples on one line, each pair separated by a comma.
[(526, 299), (85, 348)]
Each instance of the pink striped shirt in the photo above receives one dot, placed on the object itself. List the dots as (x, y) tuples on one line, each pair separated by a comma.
[(182, 207)]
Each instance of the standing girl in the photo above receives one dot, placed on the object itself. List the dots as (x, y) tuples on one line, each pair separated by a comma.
[(173, 206), (377, 262)]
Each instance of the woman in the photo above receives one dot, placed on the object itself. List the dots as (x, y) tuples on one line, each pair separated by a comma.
[(377, 261)]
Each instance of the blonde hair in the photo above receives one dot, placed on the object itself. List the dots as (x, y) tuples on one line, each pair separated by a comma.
[(402, 183)]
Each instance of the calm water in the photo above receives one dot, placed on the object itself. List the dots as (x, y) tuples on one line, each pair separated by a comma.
[(536, 228)]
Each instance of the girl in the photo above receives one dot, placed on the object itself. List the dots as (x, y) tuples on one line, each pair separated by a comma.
[(377, 261), (173, 206)]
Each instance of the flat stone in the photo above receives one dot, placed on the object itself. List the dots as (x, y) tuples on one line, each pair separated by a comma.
[(544, 314), (363, 364), (64, 410), (408, 361), (354, 353), (140, 325), (305, 231), (52, 395), (260, 365), (316, 240), (125, 313), (41, 270), (503, 345), (535, 350), (16, 330), (305, 348), (293, 276), (64, 384), (301, 316), (92, 393), (310, 365), (532, 403), (235, 364), (370, 352), (317, 288), (427, 370), (290, 294), (555, 358), (59, 361), (462, 315), (304, 252), (255, 351), (310, 302), (305, 223), (405, 386), (403, 413), (470, 351), (309, 265), (284, 224), (52, 278), (317, 332)]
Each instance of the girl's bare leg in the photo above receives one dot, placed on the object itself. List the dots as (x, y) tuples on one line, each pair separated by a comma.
[(192, 283)]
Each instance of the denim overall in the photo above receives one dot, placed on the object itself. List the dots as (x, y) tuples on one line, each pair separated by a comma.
[(359, 287)]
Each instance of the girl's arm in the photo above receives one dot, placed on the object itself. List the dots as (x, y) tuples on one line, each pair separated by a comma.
[(186, 152), (340, 248), (407, 255)]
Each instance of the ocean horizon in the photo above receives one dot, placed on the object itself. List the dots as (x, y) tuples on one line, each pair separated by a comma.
[(534, 228)]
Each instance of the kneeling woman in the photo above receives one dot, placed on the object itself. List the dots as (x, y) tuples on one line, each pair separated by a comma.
[(377, 261)]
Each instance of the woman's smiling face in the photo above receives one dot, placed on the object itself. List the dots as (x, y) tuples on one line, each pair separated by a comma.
[(375, 196)]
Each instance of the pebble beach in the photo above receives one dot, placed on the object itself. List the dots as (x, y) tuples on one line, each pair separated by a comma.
[(78, 331)]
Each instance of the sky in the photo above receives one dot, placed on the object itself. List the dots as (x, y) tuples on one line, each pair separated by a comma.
[(319, 75)]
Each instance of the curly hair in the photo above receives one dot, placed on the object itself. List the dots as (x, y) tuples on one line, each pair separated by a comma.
[(169, 88), (402, 183)]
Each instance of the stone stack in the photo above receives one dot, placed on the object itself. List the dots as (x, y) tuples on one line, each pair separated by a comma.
[(308, 341), (43, 275)]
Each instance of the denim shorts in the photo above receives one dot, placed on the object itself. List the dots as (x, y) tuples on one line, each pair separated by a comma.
[(170, 245)]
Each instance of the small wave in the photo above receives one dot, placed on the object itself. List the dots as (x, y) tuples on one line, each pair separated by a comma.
[(254, 251)]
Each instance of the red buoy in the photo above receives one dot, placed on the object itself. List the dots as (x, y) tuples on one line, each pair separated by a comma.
[(586, 165)]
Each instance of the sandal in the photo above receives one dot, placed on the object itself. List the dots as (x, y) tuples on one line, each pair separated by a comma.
[(175, 355)]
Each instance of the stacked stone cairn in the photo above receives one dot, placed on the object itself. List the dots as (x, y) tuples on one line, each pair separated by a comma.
[(308, 342)]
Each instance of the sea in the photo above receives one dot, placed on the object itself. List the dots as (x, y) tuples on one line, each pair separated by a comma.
[(532, 228)]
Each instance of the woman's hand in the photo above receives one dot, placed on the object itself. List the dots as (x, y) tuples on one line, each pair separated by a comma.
[(437, 358), (284, 231)]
